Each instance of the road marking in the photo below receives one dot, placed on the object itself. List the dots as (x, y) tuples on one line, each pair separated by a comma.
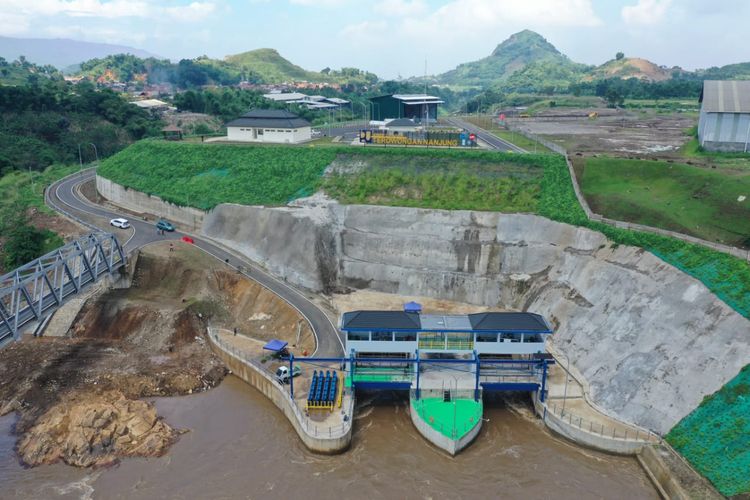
[(269, 277)]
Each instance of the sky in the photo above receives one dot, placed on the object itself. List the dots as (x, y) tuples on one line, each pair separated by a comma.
[(394, 38)]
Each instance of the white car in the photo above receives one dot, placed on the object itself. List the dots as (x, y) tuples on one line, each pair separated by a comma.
[(120, 222)]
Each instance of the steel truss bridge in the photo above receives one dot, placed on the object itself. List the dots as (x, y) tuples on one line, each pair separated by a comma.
[(35, 290)]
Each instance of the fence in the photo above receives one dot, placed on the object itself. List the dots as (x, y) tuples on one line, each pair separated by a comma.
[(637, 435), (310, 427), (734, 251)]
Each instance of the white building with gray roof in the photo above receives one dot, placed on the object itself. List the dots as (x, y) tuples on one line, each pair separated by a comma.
[(724, 123), (269, 125)]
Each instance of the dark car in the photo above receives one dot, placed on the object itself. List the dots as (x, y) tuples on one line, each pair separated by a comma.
[(164, 225)]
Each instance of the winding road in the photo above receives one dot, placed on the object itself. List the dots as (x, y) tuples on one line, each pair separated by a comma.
[(63, 197)]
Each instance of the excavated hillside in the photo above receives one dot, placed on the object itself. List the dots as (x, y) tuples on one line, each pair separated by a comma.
[(643, 333), (77, 395)]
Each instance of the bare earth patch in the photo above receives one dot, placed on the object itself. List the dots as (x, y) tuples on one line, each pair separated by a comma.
[(77, 397)]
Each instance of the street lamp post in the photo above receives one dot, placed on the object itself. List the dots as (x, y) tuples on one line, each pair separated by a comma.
[(96, 153)]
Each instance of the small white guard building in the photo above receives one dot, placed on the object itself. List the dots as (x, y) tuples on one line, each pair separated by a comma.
[(269, 125)]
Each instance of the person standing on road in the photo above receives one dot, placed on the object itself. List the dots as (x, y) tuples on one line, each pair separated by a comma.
[(171, 247), (235, 331)]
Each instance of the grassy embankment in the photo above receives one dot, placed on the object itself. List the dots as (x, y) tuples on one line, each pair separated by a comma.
[(702, 202), (205, 175)]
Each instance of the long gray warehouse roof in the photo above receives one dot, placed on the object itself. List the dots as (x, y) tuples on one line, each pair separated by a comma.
[(488, 322), (728, 96)]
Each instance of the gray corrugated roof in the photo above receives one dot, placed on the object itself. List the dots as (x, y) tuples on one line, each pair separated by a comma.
[(726, 96), (508, 322), (271, 118), (380, 320), (489, 321)]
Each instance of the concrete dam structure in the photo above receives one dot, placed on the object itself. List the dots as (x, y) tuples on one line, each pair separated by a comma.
[(650, 340)]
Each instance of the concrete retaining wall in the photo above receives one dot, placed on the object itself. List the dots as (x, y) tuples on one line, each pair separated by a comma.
[(584, 437), (641, 332), (190, 219), (273, 391), (452, 446)]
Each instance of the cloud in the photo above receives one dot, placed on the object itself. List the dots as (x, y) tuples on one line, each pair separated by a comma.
[(319, 3), (473, 22), (28, 11), (400, 8), (645, 12)]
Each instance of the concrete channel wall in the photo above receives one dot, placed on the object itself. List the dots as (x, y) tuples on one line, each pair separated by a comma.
[(602, 442), (642, 333), (452, 446), (328, 440)]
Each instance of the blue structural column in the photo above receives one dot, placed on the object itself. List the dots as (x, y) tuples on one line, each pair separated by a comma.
[(544, 380), (291, 375), (476, 377), (416, 353)]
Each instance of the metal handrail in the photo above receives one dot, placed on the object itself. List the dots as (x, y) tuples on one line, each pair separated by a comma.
[(335, 431), (598, 429)]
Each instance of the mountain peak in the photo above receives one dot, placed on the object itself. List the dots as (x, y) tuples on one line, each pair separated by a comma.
[(525, 40)]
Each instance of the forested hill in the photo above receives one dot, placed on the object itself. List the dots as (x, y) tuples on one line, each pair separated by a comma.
[(527, 62), (256, 66), (514, 54), (44, 123)]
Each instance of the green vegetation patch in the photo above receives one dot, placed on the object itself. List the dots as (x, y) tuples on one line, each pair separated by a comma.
[(715, 437), (452, 419), (19, 191), (438, 179), (204, 176), (711, 204)]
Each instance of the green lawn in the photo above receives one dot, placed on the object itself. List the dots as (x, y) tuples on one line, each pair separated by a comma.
[(699, 201), (452, 419)]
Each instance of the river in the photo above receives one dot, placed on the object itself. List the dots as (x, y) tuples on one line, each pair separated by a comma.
[(241, 446)]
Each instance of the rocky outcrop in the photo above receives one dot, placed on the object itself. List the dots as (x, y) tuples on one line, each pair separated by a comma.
[(96, 429), (650, 340)]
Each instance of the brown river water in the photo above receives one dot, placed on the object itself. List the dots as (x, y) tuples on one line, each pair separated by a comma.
[(241, 446)]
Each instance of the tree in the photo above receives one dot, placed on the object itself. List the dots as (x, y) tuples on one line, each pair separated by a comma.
[(614, 98), (619, 56), (25, 243)]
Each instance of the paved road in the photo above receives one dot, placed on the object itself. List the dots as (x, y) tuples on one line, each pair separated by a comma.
[(63, 197), (494, 141)]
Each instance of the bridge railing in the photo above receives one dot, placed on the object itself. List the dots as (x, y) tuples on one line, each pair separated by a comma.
[(32, 291)]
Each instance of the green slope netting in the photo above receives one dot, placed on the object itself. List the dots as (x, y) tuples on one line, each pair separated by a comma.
[(715, 438)]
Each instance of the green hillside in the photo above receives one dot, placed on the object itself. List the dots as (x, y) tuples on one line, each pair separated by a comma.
[(271, 66), (513, 55), (21, 72)]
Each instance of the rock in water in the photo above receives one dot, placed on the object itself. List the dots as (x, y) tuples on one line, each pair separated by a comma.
[(95, 429)]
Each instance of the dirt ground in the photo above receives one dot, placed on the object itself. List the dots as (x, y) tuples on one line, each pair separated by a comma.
[(615, 132), (125, 344), (368, 299), (65, 228)]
